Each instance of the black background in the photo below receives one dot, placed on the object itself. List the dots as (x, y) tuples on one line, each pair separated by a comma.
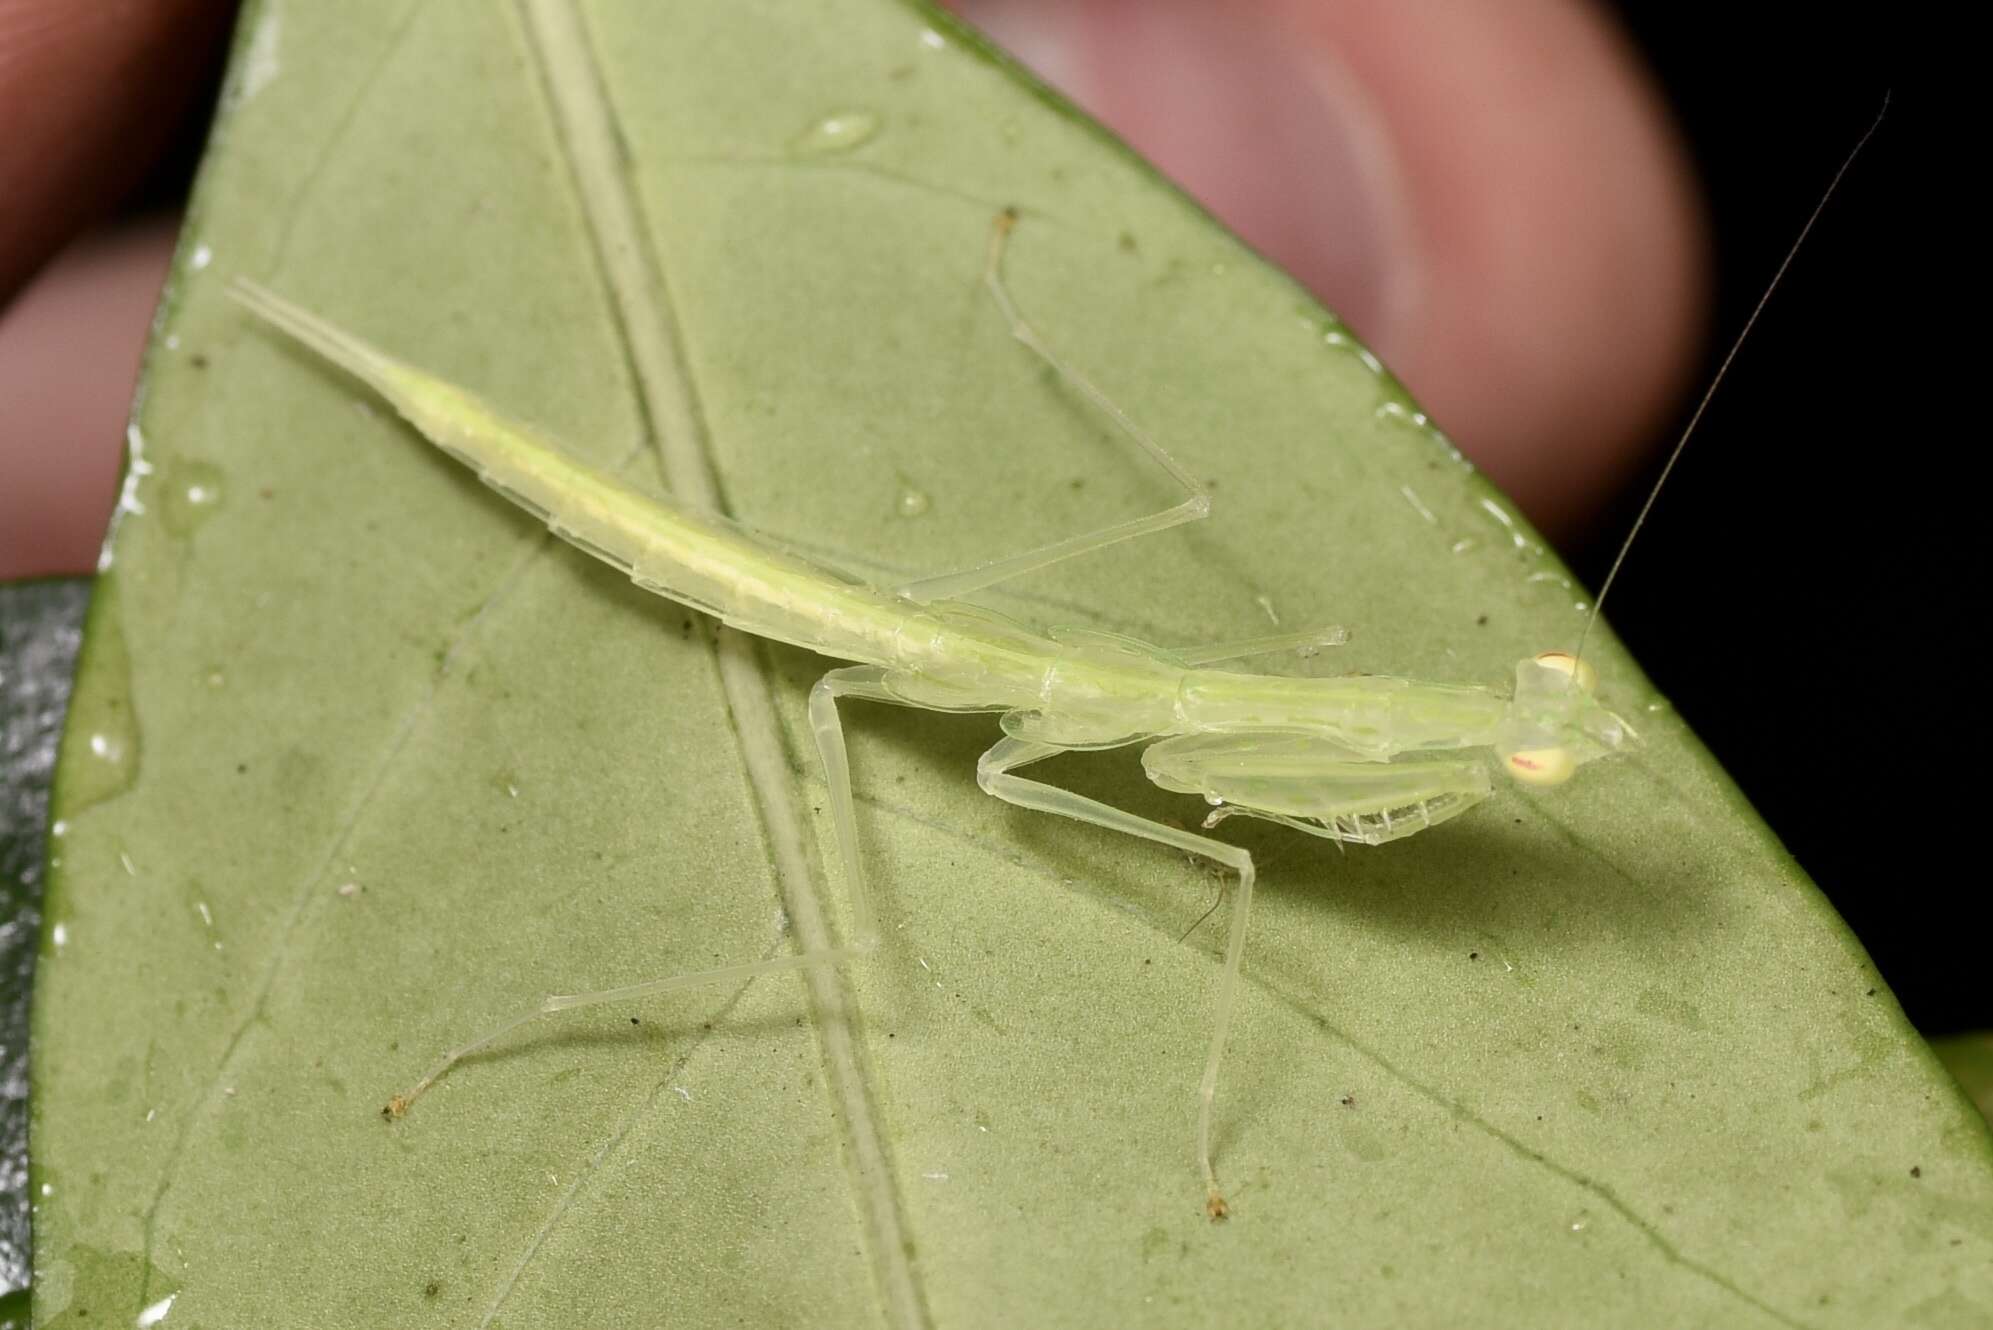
[(1800, 589)]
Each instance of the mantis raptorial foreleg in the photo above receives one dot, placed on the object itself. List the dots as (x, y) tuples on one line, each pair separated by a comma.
[(864, 681), (1197, 505), (994, 772)]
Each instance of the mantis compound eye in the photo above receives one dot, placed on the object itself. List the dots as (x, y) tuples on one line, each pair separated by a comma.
[(1579, 671), (1542, 766)]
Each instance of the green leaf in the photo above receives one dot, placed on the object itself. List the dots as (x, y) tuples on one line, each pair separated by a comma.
[(361, 762), (1969, 1058)]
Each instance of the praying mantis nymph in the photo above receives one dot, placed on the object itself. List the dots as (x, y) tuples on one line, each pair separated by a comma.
[(1364, 759)]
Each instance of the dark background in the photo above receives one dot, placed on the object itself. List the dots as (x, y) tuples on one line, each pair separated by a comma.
[(1799, 590)]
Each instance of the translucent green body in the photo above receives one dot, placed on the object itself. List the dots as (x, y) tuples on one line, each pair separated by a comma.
[(1365, 759)]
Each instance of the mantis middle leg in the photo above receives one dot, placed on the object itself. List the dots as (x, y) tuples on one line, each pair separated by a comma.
[(1195, 506), (1328, 635), (995, 773), (855, 681)]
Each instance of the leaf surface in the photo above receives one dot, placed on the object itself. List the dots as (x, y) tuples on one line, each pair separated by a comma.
[(361, 762)]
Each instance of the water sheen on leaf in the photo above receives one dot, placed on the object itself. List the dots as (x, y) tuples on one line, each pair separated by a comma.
[(382, 762)]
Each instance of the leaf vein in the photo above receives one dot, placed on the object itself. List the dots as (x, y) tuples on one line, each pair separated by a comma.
[(1300, 1006), (640, 297), (309, 892), (565, 1203)]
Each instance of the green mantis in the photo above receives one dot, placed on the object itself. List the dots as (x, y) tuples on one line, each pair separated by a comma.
[(1362, 759)]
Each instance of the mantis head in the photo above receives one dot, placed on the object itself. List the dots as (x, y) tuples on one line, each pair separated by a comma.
[(1555, 725)]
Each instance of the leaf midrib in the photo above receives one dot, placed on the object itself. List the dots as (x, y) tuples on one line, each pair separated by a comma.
[(648, 326)]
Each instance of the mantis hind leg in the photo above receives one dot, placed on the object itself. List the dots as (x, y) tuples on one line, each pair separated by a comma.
[(856, 681), (650, 988), (995, 772), (1195, 505)]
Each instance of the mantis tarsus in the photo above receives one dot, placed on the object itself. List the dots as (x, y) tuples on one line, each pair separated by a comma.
[(1365, 759)]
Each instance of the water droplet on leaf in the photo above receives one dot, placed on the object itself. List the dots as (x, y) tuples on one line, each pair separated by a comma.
[(841, 131)]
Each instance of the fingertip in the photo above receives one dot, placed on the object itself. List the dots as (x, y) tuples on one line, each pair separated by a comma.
[(70, 347), (1556, 236), (1272, 135), (1491, 195), (90, 96)]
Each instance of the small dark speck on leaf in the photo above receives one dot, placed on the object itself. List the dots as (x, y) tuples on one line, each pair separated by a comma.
[(1916, 1170), (635, 1021), (1349, 1101), (241, 768), (198, 360), (1481, 620), (432, 1288), (1870, 993), (1473, 955)]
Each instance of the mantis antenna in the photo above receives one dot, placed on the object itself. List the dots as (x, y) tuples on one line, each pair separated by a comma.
[(1716, 382)]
